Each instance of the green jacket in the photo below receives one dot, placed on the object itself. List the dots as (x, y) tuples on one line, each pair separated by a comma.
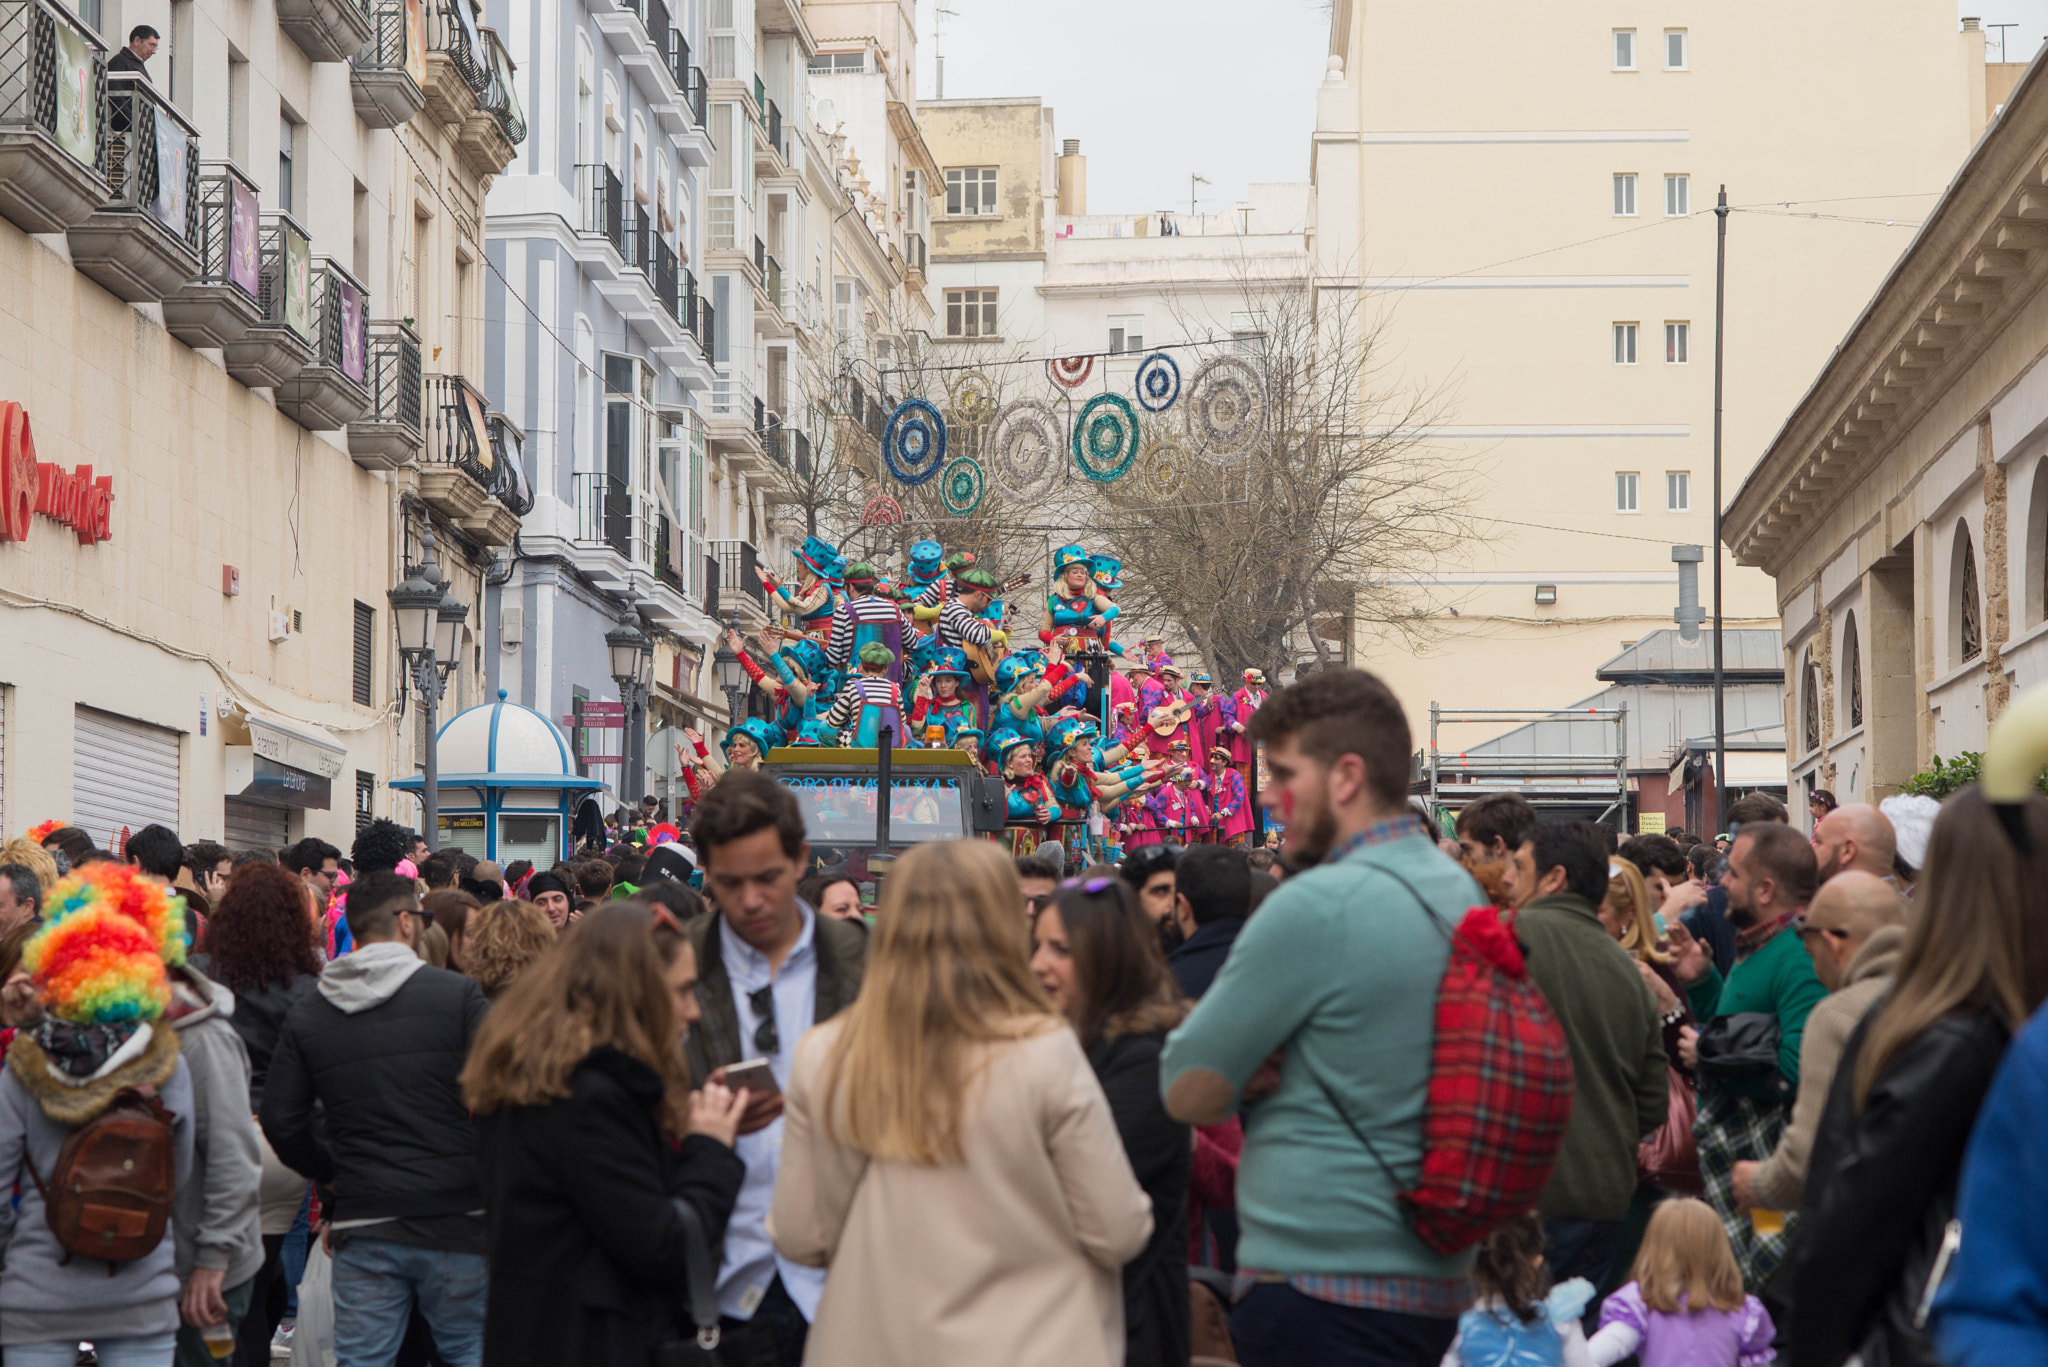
[(1776, 979), (1617, 1043)]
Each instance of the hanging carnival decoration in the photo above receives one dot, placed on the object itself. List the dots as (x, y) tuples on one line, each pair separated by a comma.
[(1158, 382), (1225, 414), (962, 486), (1026, 442), (1106, 437), (1070, 372), (914, 442), (881, 511), (1164, 469), (974, 398)]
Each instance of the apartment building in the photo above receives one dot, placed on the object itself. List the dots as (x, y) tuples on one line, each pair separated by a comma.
[(242, 384)]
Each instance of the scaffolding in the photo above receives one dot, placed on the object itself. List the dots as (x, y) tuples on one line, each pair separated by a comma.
[(1558, 759)]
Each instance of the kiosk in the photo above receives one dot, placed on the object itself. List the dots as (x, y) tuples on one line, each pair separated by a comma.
[(509, 788)]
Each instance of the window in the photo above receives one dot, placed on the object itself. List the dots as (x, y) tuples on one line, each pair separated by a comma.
[(825, 63), (1624, 343), (971, 190), (366, 797), (1677, 196), (1852, 671), (1809, 711), (1626, 486), (1966, 637), (1624, 49), (1678, 491), (1674, 49), (971, 313), (1126, 334), (1625, 194), (287, 137), (365, 648), (1677, 336)]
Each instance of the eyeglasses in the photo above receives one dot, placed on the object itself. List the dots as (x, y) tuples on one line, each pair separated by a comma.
[(1094, 887), (663, 919), (767, 1042), (1805, 930)]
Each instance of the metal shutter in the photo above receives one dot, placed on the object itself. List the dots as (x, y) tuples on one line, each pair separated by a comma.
[(366, 624), (124, 774), (253, 826)]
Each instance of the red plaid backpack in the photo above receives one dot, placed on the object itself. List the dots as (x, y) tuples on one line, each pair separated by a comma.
[(1500, 1090)]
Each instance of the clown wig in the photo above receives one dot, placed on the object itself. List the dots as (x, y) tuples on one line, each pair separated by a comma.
[(107, 934)]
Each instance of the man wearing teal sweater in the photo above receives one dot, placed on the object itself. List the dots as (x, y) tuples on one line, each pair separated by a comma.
[(1318, 1031)]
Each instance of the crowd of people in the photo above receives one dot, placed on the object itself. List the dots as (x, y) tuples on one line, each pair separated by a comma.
[(695, 1099)]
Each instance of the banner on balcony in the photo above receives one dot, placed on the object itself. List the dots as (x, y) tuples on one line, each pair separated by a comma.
[(245, 255), (77, 127), (298, 283), (416, 41), (479, 430), (173, 149), (354, 338), (467, 16)]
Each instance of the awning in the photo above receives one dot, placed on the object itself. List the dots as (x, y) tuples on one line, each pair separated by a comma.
[(1756, 769), (295, 745)]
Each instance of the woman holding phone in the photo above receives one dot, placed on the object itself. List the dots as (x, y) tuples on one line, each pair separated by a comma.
[(948, 1155)]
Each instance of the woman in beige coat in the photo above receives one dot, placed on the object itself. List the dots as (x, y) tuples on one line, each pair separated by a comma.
[(947, 1153)]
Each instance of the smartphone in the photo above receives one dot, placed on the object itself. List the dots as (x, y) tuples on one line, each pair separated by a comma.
[(755, 1075)]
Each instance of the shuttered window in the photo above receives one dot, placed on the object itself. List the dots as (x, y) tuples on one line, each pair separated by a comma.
[(124, 776), (366, 641), (366, 794), (253, 826)]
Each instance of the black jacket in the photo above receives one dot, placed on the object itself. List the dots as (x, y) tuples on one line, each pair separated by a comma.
[(1200, 957), (397, 1140), (842, 950), (587, 1258), (1880, 1189), (1157, 1327), (259, 1016)]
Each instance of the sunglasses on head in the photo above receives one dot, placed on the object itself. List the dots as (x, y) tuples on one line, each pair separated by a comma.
[(1094, 887)]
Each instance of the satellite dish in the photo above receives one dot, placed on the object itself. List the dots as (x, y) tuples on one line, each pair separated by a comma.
[(825, 112)]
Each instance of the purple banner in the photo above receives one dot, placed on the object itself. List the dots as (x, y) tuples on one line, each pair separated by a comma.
[(354, 336), (244, 250)]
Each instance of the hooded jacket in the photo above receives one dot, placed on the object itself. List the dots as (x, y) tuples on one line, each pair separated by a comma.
[(44, 1299), (216, 1215), (259, 1016), (379, 1045)]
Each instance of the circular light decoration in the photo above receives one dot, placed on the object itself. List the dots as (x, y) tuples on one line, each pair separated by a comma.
[(1026, 441), (1225, 412), (962, 486), (1158, 382), (881, 511), (914, 442), (1070, 372), (1164, 468), (1106, 437), (974, 398)]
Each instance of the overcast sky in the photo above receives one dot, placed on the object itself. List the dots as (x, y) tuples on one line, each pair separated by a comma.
[(1155, 90), (2031, 16)]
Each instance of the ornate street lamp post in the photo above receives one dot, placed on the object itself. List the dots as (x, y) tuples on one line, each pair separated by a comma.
[(429, 618)]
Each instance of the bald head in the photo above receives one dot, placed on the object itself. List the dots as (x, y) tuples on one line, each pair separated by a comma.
[(1856, 837), (1849, 908)]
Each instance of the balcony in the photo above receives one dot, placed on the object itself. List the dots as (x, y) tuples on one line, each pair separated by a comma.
[(388, 435), (492, 133), (604, 511), (224, 300), (508, 461), (281, 342), (707, 326), (463, 475), (666, 284), (53, 118), (603, 196), (731, 428), (739, 577), (385, 76), (771, 148), (326, 30), (329, 392), (456, 75), (914, 258), (143, 242)]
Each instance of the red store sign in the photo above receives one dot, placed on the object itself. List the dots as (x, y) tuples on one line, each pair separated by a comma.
[(27, 487)]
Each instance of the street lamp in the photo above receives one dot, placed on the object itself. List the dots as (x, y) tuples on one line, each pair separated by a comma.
[(732, 676), (430, 619), (632, 658)]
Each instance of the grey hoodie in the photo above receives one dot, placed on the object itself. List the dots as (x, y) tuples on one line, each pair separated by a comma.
[(217, 1215), (368, 975)]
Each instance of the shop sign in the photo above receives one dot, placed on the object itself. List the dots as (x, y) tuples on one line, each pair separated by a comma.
[(27, 487)]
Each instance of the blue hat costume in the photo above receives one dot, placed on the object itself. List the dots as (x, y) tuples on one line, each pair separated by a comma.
[(927, 563), (1106, 568), (1071, 555), (947, 660), (815, 732), (1007, 741), (821, 557), (765, 735)]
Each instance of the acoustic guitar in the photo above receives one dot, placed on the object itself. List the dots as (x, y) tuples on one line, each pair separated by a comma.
[(982, 660)]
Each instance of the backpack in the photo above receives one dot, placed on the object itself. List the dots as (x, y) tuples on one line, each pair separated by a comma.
[(1500, 1091), (109, 1195)]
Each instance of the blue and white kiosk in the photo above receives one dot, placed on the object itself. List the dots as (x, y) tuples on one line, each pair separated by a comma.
[(508, 785)]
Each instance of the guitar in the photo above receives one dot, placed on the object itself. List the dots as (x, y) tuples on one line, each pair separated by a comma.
[(982, 660), (1169, 717)]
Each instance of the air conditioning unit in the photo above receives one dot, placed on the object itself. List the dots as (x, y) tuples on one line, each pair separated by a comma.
[(511, 627), (280, 626)]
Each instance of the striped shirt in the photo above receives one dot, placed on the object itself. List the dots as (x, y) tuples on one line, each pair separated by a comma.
[(959, 626), (853, 613), (873, 689)]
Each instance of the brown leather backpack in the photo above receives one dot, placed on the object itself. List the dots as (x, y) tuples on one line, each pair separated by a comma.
[(109, 1196)]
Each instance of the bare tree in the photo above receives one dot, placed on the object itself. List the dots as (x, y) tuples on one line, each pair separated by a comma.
[(1324, 522)]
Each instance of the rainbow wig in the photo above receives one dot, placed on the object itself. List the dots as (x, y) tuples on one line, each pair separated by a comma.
[(108, 932)]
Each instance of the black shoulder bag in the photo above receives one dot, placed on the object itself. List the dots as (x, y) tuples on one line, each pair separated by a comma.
[(701, 1289)]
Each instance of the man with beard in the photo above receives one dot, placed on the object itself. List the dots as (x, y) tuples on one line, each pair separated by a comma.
[(1743, 1110), (1857, 837), (1322, 1016)]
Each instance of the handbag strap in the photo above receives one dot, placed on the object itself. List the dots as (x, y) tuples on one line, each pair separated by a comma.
[(700, 1275)]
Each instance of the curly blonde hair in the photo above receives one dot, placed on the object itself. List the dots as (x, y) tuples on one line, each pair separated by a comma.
[(27, 853), (1628, 897), (501, 940)]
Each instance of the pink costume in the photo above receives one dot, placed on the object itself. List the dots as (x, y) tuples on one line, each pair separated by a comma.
[(1244, 703), (1233, 807)]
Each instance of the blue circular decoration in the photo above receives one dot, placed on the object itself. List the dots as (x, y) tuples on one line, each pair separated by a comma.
[(914, 443), (962, 487), (1106, 437), (1158, 382)]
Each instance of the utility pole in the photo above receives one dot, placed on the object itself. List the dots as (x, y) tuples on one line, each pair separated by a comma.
[(1720, 691), (939, 16), (1193, 181)]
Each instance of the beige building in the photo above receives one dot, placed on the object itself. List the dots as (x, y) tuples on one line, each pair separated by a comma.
[(1537, 238), (1902, 511), (222, 287)]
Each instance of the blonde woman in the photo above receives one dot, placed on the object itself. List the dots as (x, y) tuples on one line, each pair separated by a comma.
[(949, 1156), (501, 939), (1625, 912)]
